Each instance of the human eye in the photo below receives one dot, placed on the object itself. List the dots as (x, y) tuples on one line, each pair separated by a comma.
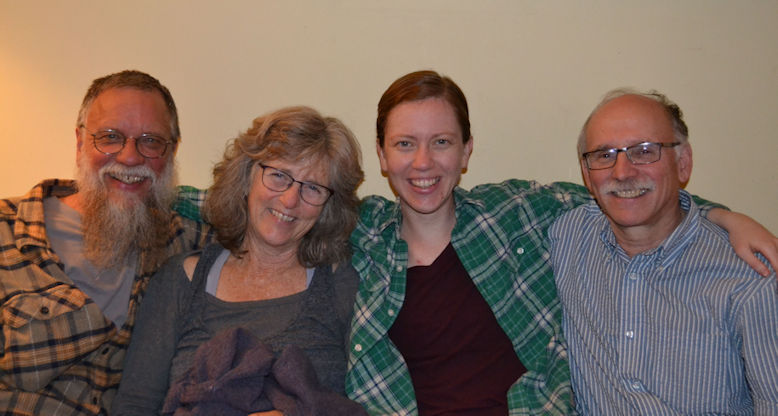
[(603, 155), (442, 141), (109, 136), (276, 177), (151, 141), (644, 152), (313, 189), (402, 143)]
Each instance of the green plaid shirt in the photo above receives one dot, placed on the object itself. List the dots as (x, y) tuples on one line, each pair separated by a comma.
[(500, 237), (59, 355)]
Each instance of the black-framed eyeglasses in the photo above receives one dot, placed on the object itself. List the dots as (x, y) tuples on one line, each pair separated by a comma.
[(279, 181), (111, 142), (638, 154)]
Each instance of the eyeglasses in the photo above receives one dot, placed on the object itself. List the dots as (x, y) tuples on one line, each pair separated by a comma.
[(111, 142), (279, 181), (638, 154)]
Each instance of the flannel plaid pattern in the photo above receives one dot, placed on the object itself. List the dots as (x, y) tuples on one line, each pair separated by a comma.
[(58, 353), (500, 237)]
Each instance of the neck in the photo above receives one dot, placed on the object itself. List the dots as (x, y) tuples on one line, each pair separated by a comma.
[(259, 256), (636, 240), (74, 201), (427, 235)]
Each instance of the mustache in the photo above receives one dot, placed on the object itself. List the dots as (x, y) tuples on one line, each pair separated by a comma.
[(627, 185), (115, 169)]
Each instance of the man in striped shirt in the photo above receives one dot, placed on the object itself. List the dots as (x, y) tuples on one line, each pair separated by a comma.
[(76, 256), (660, 314)]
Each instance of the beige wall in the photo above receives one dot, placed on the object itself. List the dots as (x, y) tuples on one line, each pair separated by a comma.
[(532, 70)]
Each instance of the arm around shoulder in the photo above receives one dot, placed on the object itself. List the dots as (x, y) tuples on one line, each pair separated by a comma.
[(748, 237)]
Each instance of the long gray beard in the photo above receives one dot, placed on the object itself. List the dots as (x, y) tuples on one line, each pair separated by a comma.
[(116, 229)]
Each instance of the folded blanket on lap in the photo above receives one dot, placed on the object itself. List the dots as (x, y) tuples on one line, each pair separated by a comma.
[(236, 374)]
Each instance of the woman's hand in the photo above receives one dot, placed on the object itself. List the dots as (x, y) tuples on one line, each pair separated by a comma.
[(748, 237)]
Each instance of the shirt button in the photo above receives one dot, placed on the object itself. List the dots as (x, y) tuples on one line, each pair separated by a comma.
[(390, 312), (45, 310), (630, 334), (520, 250), (636, 385), (358, 347), (633, 276), (399, 268)]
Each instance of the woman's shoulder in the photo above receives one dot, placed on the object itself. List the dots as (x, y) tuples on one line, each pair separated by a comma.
[(375, 205), (343, 275), (187, 262)]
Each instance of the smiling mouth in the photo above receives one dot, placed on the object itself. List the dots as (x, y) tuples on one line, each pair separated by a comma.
[(424, 183), (280, 216), (127, 179), (629, 193)]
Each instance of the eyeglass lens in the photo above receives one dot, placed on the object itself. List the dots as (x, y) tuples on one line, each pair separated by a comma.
[(280, 181), (148, 145)]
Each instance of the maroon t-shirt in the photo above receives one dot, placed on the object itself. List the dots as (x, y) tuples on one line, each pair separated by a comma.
[(460, 360)]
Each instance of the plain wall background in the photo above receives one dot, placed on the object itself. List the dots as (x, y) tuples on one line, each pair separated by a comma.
[(532, 71)]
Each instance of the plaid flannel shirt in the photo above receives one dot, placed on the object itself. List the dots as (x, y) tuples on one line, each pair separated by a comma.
[(58, 353), (500, 237)]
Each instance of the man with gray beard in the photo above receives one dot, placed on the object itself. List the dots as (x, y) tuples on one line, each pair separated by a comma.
[(76, 256)]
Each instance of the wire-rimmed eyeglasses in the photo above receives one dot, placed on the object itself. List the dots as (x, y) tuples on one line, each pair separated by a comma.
[(279, 181), (638, 154), (111, 142)]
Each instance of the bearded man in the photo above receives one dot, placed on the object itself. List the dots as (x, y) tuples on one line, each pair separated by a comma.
[(76, 256)]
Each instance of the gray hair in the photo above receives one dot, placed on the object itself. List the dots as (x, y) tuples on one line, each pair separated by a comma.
[(294, 134), (130, 79), (674, 113)]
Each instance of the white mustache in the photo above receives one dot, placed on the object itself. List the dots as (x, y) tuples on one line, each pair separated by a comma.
[(628, 185), (113, 168)]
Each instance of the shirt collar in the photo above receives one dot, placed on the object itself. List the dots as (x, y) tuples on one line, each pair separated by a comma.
[(672, 246), (393, 218), (29, 224)]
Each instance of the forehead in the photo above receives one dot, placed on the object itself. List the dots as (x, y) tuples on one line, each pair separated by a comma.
[(129, 109), (427, 115), (627, 120)]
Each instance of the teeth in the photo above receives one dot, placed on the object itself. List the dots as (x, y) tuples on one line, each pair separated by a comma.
[(630, 193), (424, 183), (128, 179), (281, 216)]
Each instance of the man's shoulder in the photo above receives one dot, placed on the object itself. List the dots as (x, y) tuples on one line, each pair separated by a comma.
[(577, 219), (711, 247), (9, 206)]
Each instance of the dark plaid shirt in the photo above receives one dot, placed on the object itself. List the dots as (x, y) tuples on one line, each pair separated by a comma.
[(59, 355)]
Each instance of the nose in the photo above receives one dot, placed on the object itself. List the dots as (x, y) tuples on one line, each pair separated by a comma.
[(291, 197), (422, 158), (129, 155), (623, 168)]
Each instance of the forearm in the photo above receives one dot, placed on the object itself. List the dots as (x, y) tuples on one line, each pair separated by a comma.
[(748, 237)]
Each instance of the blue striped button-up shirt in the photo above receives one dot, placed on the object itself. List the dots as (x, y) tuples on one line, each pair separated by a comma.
[(685, 328)]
